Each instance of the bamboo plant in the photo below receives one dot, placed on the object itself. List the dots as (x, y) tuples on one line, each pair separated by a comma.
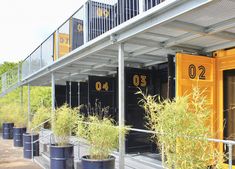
[(101, 134), (41, 115), (20, 116), (5, 114), (182, 129), (100, 131), (64, 121)]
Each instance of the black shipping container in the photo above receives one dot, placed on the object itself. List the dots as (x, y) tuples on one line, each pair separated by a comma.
[(100, 18), (60, 95), (160, 80), (126, 9), (83, 97), (72, 99), (134, 114), (77, 38), (101, 90)]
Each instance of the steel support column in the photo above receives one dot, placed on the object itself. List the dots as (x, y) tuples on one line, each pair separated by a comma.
[(121, 104), (53, 91), (29, 107), (21, 98)]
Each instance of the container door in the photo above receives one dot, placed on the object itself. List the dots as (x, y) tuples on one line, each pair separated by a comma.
[(136, 79), (196, 71), (229, 108), (101, 94)]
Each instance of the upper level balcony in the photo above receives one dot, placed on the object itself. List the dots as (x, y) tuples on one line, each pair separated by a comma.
[(91, 20), (151, 29)]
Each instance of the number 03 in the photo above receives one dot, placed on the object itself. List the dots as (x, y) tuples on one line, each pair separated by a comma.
[(140, 80)]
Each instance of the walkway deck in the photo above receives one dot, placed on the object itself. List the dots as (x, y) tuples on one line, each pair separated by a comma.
[(12, 158)]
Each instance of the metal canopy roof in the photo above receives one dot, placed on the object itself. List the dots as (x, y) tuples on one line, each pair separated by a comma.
[(192, 26)]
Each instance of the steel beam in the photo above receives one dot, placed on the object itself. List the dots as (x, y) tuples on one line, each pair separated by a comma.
[(220, 46), (218, 27), (152, 35), (181, 39), (145, 42), (121, 105), (143, 51), (196, 31)]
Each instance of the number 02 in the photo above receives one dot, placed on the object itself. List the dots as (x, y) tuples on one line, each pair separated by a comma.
[(192, 72)]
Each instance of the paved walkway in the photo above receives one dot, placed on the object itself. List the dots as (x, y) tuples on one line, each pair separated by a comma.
[(12, 158)]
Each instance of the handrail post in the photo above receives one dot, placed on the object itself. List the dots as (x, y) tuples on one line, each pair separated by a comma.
[(230, 149), (79, 150), (141, 6), (41, 56), (85, 27), (19, 73), (32, 146), (163, 157), (57, 43)]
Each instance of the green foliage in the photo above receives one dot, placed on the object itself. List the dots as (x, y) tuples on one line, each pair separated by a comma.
[(41, 115), (181, 127), (101, 134), (13, 113), (40, 96), (64, 120), (11, 76), (5, 116), (6, 66), (19, 114)]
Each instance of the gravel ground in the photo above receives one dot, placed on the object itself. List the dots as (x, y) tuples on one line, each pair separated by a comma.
[(12, 158)]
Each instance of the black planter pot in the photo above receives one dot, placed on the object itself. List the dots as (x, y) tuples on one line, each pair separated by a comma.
[(18, 136), (88, 163), (27, 139), (62, 157), (7, 130)]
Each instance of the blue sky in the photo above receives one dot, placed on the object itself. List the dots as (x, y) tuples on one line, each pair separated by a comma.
[(24, 24)]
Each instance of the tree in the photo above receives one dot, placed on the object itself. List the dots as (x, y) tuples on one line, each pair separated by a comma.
[(39, 95)]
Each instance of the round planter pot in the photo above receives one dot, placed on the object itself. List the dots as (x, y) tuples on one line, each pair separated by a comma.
[(7, 130), (88, 163), (18, 136), (62, 157), (27, 139)]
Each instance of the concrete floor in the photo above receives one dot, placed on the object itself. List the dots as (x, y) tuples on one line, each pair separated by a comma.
[(12, 158)]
